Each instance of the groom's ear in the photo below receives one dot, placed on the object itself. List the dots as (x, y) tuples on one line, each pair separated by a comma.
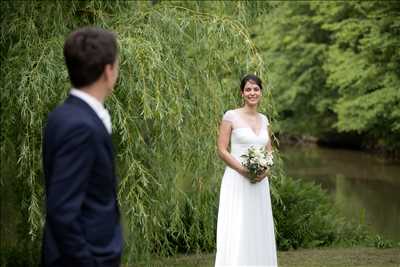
[(110, 73), (107, 71)]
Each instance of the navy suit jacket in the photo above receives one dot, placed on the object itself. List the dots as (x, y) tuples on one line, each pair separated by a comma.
[(82, 221)]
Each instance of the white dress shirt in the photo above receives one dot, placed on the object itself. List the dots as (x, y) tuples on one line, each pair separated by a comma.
[(96, 105)]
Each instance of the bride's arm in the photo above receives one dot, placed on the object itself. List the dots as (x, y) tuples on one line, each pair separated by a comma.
[(225, 130)]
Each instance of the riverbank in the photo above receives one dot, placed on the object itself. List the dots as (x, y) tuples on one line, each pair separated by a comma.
[(324, 257)]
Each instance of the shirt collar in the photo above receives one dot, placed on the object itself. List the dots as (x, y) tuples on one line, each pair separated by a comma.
[(95, 104)]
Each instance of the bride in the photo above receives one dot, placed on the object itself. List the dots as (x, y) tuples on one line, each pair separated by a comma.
[(245, 231)]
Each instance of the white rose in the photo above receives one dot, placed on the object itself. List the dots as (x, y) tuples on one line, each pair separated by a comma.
[(258, 154), (270, 160), (263, 162)]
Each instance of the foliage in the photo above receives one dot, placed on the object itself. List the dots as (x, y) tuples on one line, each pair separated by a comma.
[(335, 68), (380, 242), (304, 215)]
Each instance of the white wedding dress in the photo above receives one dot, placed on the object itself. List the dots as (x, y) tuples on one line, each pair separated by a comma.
[(245, 231)]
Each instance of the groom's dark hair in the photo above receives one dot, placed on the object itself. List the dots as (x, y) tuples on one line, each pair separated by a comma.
[(87, 51)]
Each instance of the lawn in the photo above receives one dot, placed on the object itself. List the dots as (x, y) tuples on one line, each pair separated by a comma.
[(326, 257)]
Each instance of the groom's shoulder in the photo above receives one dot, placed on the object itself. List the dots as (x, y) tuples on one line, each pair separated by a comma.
[(62, 112), (67, 115)]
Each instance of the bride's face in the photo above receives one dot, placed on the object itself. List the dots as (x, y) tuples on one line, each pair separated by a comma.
[(251, 93)]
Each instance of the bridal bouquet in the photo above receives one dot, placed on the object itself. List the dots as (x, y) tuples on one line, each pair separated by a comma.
[(257, 161)]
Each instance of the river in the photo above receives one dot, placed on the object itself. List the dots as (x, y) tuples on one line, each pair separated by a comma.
[(365, 187)]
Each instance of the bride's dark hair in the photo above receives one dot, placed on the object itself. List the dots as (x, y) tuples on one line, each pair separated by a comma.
[(250, 77)]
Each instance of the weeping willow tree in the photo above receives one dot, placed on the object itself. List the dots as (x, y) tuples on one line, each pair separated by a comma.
[(179, 71)]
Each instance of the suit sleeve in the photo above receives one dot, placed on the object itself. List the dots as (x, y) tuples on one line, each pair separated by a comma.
[(72, 164)]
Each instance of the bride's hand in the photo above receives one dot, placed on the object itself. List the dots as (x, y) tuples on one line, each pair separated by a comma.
[(244, 172), (262, 176)]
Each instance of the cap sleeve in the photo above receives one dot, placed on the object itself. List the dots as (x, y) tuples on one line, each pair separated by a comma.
[(265, 120), (228, 116)]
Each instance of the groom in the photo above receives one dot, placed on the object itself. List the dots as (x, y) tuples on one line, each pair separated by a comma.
[(82, 223)]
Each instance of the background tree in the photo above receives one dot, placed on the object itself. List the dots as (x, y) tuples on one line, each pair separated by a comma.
[(335, 69)]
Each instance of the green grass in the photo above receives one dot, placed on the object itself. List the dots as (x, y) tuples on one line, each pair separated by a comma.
[(326, 257)]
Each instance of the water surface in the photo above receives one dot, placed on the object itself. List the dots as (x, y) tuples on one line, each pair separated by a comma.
[(365, 187)]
